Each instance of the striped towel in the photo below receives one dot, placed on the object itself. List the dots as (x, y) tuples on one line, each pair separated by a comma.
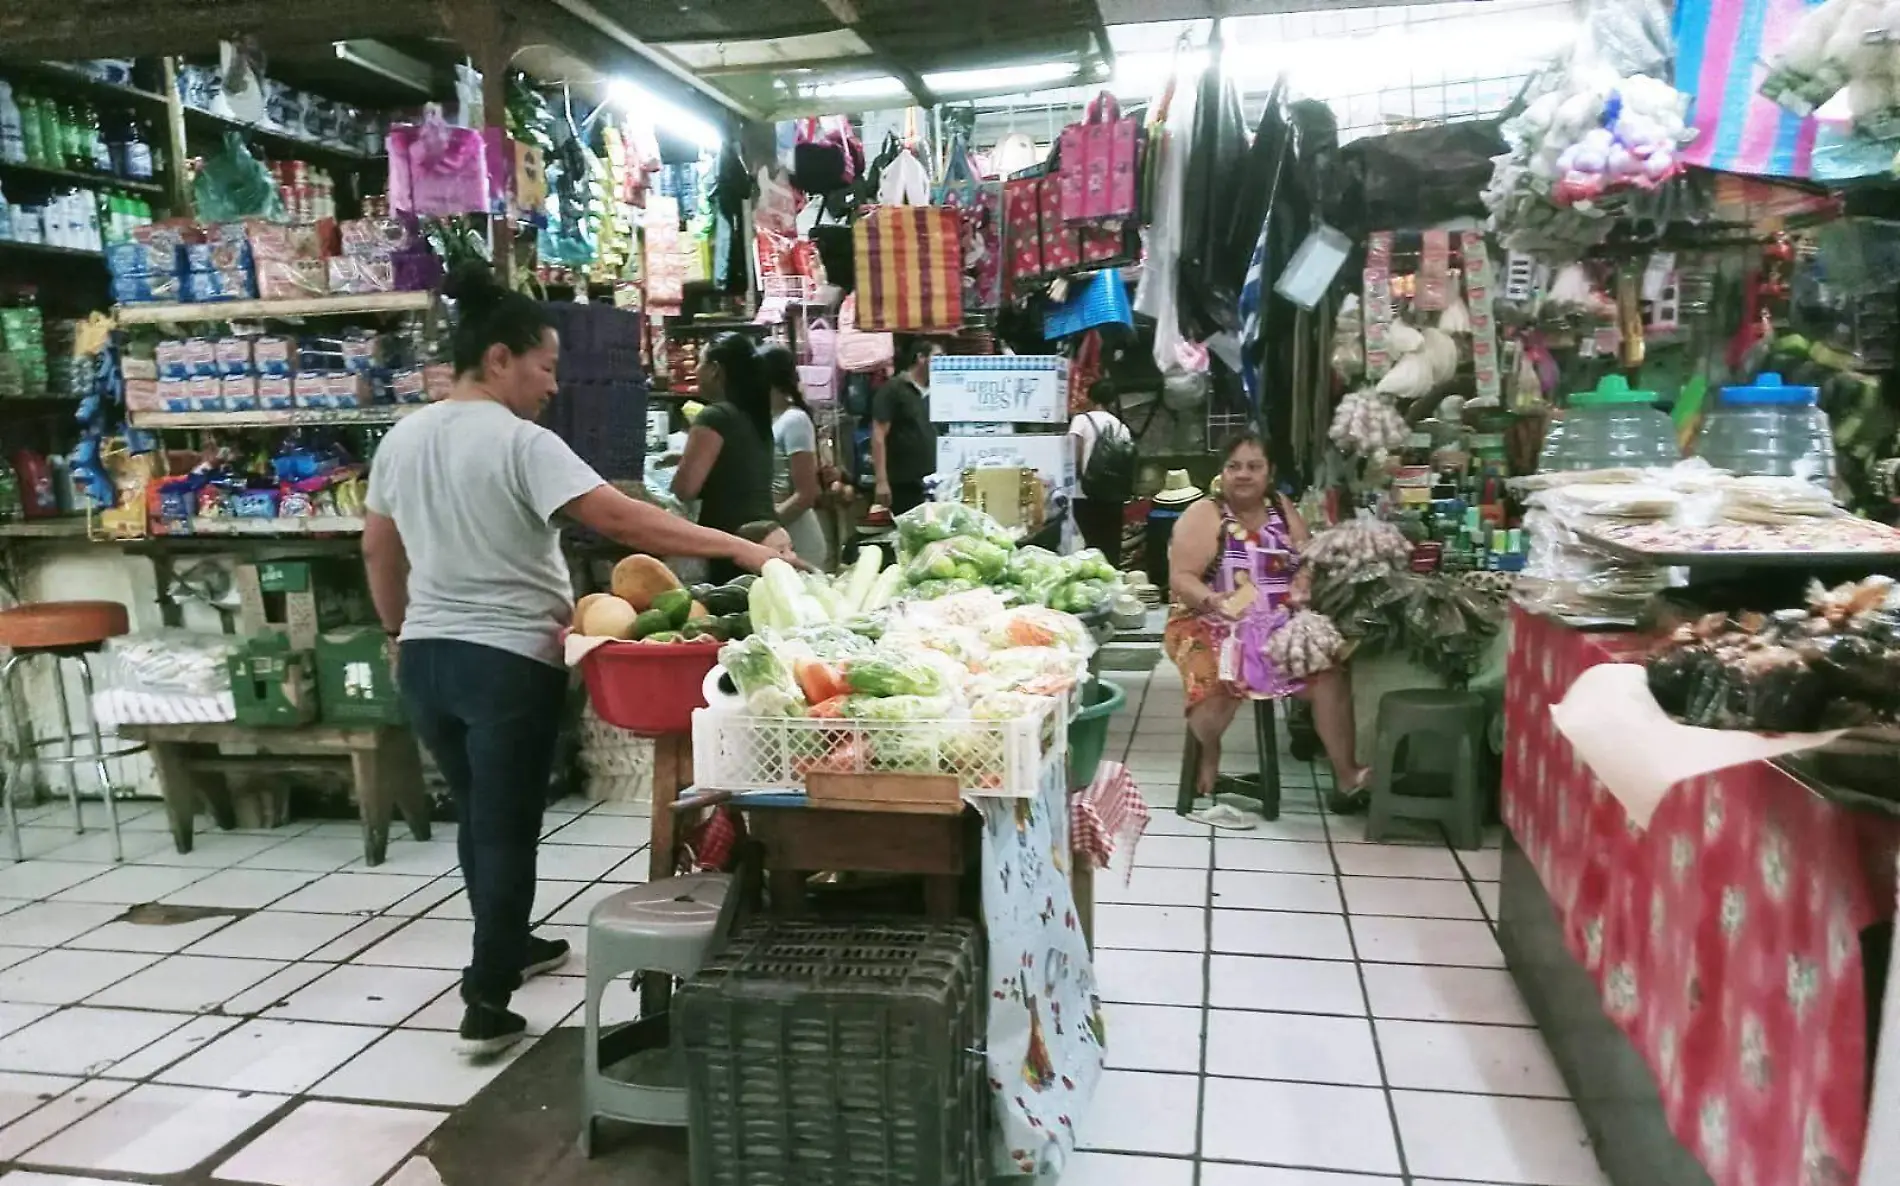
[(1252, 297), (1720, 49)]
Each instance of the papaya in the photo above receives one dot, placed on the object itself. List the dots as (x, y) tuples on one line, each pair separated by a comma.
[(638, 580), (609, 617), (583, 605)]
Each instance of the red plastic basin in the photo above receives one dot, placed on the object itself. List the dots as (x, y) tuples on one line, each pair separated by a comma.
[(649, 688)]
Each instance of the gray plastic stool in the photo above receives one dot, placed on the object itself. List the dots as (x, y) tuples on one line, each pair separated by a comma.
[(669, 926), (1427, 722)]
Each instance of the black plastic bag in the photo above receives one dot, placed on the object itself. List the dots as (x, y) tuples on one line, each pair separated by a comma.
[(1416, 178)]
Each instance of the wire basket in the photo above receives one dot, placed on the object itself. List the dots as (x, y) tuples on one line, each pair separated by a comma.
[(1007, 758), (846, 1052)]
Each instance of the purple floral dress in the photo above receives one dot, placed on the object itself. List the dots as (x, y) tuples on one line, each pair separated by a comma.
[(1214, 653)]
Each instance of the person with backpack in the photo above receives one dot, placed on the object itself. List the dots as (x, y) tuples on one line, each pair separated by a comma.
[(1105, 459)]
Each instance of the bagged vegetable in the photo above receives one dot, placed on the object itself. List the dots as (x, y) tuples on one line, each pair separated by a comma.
[(1034, 566), (1035, 626), (896, 675), (763, 678), (965, 558), (933, 521), (1039, 671)]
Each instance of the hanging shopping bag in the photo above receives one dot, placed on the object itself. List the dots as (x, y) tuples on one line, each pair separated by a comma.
[(1100, 300), (821, 343), (909, 269), (979, 207), (777, 207), (1099, 164), (1022, 230), (826, 160), (905, 181), (437, 169), (859, 352)]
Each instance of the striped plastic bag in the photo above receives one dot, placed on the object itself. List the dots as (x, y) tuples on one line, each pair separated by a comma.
[(1721, 48)]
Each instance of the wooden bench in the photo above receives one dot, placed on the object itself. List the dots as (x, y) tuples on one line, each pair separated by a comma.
[(210, 763)]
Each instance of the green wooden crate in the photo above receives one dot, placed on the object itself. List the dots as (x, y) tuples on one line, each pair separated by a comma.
[(354, 678), (272, 683)]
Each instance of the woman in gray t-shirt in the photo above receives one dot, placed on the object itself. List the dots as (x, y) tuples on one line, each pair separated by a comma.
[(795, 485)]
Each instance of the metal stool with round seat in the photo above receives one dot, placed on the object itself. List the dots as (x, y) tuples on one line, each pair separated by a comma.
[(60, 630)]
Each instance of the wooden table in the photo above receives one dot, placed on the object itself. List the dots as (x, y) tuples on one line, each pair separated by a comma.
[(801, 840), (384, 765)]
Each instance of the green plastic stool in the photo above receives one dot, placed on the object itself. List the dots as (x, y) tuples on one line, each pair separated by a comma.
[(1450, 722), (1265, 787)]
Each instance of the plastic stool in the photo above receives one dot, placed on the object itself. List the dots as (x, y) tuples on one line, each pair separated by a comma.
[(1455, 720), (1265, 788), (664, 926), (60, 630)]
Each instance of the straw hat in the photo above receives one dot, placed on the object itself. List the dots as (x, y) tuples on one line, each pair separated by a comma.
[(1178, 490)]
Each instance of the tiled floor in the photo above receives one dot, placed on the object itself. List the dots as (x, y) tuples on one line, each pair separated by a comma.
[(1287, 1007)]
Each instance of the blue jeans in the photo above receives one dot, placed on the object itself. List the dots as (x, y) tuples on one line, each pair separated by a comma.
[(491, 719)]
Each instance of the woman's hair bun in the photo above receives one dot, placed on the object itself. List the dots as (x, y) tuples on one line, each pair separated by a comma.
[(472, 281)]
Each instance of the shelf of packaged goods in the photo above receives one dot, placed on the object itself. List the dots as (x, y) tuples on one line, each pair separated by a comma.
[(62, 76), (48, 252), (291, 418), (330, 306), (86, 177), (293, 528), (295, 144)]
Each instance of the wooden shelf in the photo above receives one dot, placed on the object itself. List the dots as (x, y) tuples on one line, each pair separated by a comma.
[(85, 177), (292, 418), (60, 527), (332, 306), (293, 143), (50, 253), (69, 77), (202, 527)]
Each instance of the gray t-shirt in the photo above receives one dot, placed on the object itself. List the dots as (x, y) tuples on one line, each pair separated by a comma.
[(472, 488)]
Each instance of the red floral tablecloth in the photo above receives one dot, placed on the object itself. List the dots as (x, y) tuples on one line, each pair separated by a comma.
[(1724, 939)]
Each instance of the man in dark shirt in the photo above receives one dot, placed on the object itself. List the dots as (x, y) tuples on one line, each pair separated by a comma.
[(903, 442)]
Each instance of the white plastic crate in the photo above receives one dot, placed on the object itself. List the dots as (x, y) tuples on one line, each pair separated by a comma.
[(735, 752)]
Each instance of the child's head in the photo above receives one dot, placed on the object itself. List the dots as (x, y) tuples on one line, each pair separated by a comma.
[(767, 533)]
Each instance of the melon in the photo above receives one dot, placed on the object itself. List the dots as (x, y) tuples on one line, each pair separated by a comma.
[(610, 617), (581, 607), (639, 579)]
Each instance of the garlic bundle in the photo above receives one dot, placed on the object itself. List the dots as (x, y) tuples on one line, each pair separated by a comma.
[(1359, 546), (1307, 644), (1367, 423)]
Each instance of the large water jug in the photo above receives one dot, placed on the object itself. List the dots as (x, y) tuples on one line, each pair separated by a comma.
[(1612, 427), (1771, 428)]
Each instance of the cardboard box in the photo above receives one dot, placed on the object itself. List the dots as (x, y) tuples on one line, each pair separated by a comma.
[(354, 682), (273, 683), (301, 599), (999, 389)]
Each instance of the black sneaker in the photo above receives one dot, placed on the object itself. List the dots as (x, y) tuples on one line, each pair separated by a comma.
[(488, 1030), (544, 955)]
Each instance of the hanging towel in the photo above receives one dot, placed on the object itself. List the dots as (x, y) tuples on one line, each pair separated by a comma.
[(1720, 48), (1251, 347)]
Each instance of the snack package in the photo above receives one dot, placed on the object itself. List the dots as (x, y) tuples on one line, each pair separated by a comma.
[(357, 275), (292, 279), (135, 290), (234, 356), (239, 393), (217, 257), (275, 393), (272, 355), (132, 258), (226, 284)]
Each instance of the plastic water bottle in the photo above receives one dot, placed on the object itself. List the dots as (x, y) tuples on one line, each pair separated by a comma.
[(12, 134)]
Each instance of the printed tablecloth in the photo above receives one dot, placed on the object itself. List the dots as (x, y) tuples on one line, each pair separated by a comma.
[(1724, 939), (1045, 1025)]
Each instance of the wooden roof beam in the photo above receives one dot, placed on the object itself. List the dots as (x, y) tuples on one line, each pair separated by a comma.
[(847, 13)]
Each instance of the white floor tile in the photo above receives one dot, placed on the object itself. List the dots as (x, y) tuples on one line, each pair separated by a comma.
[(544, 1002), (1488, 893), (54, 1116), (307, 854), (1304, 828), (424, 943), (48, 924), (83, 1041), (1141, 1112), (270, 993), (1284, 985), (22, 1093), (549, 896), (1150, 886), (36, 843), (622, 831), (417, 1171), (182, 1042), (1150, 977), (1271, 932), (1163, 822), (163, 938), (365, 934), (635, 870), (43, 878), (365, 996), (1218, 1174), (96, 847), (62, 977), (1397, 860), (1493, 1139), (575, 862), (1153, 1038), (1486, 1059), (129, 885), (1151, 928), (275, 935), (155, 1130), (9, 905), (17, 1017), (216, 850), (10, 956), (1307, 892), (1291, 1046), (1303, 1124), (330, 1144), (1175, 852), (288, 1057), (1426, 941), (1120, 1169), (1410, 897), (1421, 992), (1272, 856), (1352, 830), (1483, 865), (431, 858), (240, 889), (353, 892), (186, 984), (415, 1067)]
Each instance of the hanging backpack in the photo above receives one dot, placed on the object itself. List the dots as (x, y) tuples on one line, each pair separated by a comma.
[(1109, 475)]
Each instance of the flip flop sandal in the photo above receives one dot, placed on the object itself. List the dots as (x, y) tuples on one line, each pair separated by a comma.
[(1223, 816), (1353, 800)]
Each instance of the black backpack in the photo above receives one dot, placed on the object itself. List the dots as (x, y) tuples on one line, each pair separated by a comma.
[(1110, 474)]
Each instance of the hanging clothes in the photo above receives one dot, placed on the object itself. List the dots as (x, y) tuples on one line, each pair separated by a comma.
[(732, 188), (1158, 294), (1209, 285)]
